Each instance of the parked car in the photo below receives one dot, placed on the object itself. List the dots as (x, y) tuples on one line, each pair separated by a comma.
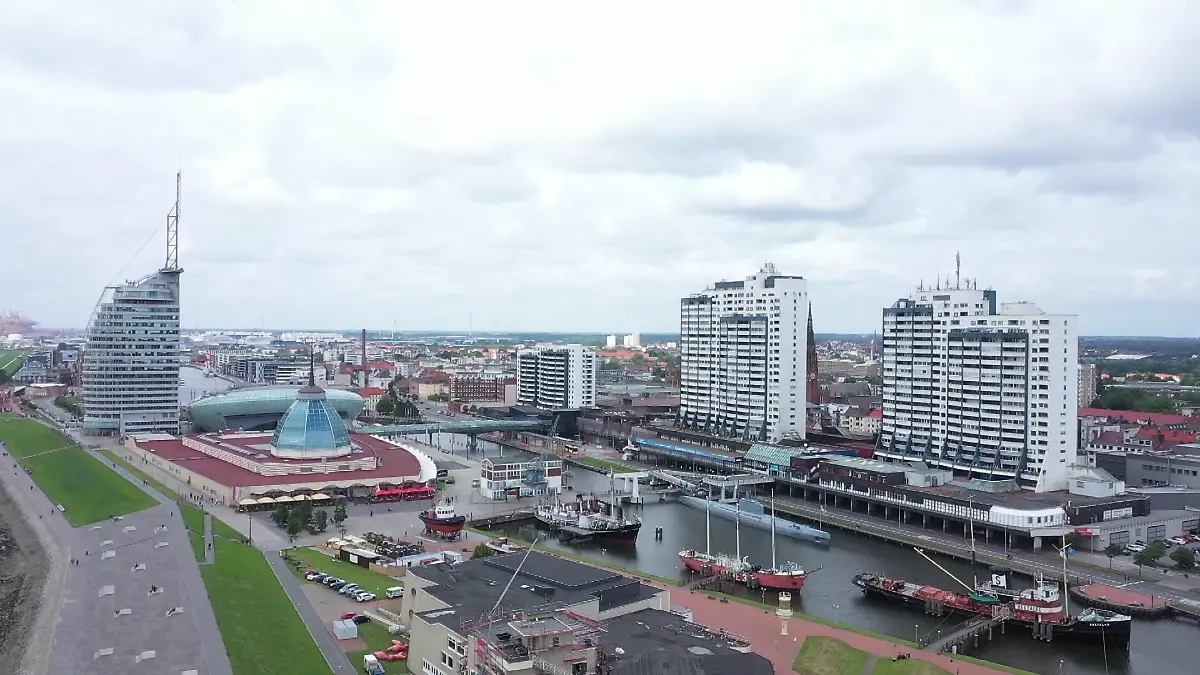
[(1178, 541), (330, 580), (349, 589), (359, 618), (364, 596), (313, 575), (395, 592), (1134, 548), (337, 586)]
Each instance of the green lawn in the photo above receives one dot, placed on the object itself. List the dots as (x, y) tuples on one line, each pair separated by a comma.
[(886, 666), (377, 639), (11, 359), (84, 486), (603, 464), (821, 655), (261, 630), (371, 581), (25, 437)]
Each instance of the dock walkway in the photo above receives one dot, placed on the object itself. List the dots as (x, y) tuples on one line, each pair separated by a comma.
[(968, 630)]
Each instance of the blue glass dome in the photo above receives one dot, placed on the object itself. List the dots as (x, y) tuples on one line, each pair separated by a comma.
[(311, 428)]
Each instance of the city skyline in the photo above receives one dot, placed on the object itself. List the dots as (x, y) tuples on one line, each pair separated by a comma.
[(353, 175)]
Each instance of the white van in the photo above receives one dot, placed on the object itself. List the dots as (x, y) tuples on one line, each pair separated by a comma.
[(395, 592)]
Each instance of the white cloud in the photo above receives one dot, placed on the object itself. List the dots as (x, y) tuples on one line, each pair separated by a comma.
[(543, 165)]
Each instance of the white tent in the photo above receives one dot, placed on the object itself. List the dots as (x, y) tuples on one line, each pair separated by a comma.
[(345, 629)]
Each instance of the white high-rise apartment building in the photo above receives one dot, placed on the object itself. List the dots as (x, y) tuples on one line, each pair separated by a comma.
[(743, 357), (131, 359), (989, 391), (633, 340), (556, 377), (610, 342), (1087, 384)]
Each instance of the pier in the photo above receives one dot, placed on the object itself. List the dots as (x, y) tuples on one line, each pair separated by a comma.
[(969, 630), (517, 516)]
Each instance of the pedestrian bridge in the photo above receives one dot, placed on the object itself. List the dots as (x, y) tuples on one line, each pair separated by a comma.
[(455, 427)]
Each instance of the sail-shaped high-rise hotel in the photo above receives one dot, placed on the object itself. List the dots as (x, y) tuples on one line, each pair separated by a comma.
[(130, 371)]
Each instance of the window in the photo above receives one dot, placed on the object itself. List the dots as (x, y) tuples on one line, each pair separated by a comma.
[(1156, 532), (1120, 538), (447, 660)]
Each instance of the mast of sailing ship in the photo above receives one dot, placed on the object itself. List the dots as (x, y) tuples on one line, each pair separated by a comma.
[(773, 566), (708, 525), (737, 524)]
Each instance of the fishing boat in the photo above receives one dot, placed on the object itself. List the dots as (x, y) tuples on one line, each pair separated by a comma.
[(753, 514), (586, 519)]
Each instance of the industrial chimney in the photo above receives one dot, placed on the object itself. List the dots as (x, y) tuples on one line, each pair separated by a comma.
[(365, 381)]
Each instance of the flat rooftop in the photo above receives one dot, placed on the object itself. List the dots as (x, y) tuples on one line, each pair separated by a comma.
[(473, 587), (868, 464), (1019, 499), (394, 461), (654, 642)]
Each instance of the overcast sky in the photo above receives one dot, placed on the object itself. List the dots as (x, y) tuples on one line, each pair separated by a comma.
[(533, 165)]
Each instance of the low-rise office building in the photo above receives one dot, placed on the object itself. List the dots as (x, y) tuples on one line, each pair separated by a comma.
[(513, 612), (521, 475)]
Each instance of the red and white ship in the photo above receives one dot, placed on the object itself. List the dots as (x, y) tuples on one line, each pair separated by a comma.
[(713, 564), (442, 519), (786, 577)]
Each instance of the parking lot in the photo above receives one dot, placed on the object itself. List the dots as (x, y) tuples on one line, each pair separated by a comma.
[(1190, 542)]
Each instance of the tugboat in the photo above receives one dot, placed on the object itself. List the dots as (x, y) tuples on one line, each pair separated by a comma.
[(442, 520)]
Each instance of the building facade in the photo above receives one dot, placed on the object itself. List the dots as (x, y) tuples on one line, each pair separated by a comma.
[(988, 390), (130, 372), (556, 377), (743, 357), (475, 388), (534, 477), (1088, 379)]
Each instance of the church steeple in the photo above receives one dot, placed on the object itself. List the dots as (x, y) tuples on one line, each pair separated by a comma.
[(812, 388)]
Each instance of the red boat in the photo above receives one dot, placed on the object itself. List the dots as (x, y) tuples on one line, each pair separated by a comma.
[(443, 520), (785, 577), (710, 564)]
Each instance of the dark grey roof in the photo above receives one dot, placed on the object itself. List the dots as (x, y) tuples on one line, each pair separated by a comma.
[(662, 643), (472, 588)]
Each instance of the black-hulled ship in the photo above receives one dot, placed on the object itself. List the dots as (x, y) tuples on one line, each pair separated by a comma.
[(1042, 608)]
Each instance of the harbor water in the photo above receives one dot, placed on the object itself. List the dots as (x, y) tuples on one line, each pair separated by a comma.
[(1162, 646)]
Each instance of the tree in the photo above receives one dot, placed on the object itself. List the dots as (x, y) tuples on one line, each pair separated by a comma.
[(294, 527), (482, 551), (1112, 551), (1184, 558), (280, 516), (385, 406), (339, 514), (1151, 555), (318, 522), (1073, 540), (342, 531)]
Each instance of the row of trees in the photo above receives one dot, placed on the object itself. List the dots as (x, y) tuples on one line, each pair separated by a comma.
[(302, 516), (397, 403)]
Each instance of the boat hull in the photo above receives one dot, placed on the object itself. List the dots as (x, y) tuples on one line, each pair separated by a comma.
[(626, 534), (702, 567), (783, 528), (444, 525), (781, 582)]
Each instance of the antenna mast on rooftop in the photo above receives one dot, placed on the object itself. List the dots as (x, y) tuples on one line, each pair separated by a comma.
[(173, 226), (957, 271)]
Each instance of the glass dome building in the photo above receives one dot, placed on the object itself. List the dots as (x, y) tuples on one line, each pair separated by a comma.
[(311, 428)]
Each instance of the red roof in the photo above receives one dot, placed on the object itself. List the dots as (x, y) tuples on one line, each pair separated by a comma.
[(1172, 436), (380, 365), (395, 462), (367, 392), (1136, 417), (876, 413), (430, 375)]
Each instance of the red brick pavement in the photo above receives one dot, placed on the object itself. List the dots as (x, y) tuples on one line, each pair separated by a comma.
[(763, 629)]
